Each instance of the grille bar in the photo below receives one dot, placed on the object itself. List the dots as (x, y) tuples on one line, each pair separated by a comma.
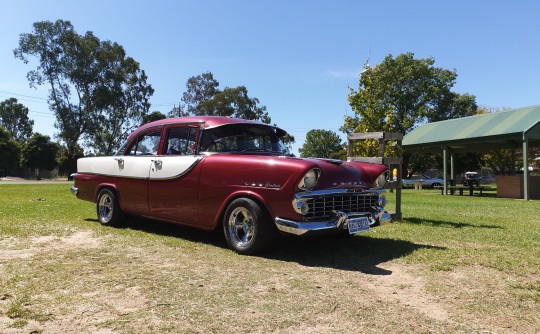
[(323, 206)]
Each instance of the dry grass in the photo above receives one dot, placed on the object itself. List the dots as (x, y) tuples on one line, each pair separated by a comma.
[(453, 265)]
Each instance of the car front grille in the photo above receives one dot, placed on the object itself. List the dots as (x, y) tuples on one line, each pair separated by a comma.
[(324, 206)]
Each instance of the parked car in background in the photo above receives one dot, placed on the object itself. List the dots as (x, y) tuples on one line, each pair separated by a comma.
[(471, 179), (426, 181), (233, 174)]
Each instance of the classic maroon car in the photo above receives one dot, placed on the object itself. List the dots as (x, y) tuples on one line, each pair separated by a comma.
[(219, 172)]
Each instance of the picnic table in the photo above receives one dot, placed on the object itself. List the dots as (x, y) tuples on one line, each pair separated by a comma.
[(461, 189)]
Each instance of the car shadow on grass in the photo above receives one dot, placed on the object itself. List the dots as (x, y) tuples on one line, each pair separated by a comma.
[(214, 238), (361, 253), (443, 223)]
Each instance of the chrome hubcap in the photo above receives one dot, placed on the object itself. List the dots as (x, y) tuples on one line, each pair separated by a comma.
[(241, 227), (105, 208)]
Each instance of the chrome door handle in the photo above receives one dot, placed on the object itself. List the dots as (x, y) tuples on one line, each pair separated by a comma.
[(157, 162)]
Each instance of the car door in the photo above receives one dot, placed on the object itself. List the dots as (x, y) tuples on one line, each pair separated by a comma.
[(174, 177), (132, 171)]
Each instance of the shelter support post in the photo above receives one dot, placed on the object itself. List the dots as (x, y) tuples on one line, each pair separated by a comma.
[(513, 155), (445, 172), (525, 170), (452, 174)]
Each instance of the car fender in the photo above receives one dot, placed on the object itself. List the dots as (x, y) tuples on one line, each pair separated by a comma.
[(238, 194), (106, 185)]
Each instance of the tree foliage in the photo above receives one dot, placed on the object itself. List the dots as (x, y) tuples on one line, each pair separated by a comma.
[(153, 116), (67, 165), (401, 93), (96, 92), (203, 97), (39, 152), (9, 152), (14, 119), (321, 144), (501, 161)]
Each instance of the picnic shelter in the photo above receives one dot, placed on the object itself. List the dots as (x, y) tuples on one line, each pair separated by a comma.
[(512, 129)]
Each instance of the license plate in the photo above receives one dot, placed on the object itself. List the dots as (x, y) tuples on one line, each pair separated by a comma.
[(359, 224)]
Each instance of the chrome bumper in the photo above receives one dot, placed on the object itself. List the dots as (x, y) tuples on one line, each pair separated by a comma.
[(334, 225), (74, 190)]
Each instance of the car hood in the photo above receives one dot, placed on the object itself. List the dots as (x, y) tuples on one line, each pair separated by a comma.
[(280, 170), (346, 174)]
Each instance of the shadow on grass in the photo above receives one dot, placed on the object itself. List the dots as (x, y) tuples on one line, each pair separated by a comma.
[(443, 223), (156, 227), (361, 253)]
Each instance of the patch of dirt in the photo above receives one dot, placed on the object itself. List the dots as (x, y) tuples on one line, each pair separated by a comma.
[(407, 290), (78, 240)]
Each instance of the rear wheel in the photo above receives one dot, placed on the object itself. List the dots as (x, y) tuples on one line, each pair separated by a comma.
[(247, 227), (436, 184), (108, 210)]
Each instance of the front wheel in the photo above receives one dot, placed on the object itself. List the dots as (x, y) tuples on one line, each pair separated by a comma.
[(247, 227), (108, 209)]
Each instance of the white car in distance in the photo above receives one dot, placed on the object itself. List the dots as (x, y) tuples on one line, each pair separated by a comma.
[(423, 180)]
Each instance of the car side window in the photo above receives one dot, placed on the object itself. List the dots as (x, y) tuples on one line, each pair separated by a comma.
[(147, 144), (180, 141)]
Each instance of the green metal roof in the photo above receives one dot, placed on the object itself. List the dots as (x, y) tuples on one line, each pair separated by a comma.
[(502, 129)]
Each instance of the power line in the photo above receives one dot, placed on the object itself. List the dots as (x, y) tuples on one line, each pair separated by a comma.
[(7, 94), (27, 96), (164, 104), (41, 112)]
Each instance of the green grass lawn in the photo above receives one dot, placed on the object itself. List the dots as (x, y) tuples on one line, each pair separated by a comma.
[(493, 232), (453, 264)]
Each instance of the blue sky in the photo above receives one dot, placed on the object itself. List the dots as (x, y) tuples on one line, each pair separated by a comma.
[(297, 57)]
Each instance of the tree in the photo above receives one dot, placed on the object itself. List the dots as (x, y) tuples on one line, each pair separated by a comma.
[(199, 89), (14, 119), (39, 152), (234, 102), (400, 94), (421, 162), (203, 97), (154, 116), (321, 144), (121, 99), (96, 92), (9, 152), (67, 166)]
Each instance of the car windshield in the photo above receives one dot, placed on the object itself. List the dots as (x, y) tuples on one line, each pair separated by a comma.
[(244, 138)]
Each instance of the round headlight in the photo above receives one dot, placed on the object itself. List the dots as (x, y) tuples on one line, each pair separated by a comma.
[(381, 180), (302, 207), (309, 180)]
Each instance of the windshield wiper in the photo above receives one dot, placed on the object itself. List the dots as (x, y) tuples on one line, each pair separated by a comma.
[(262, 150), (254, 149)]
